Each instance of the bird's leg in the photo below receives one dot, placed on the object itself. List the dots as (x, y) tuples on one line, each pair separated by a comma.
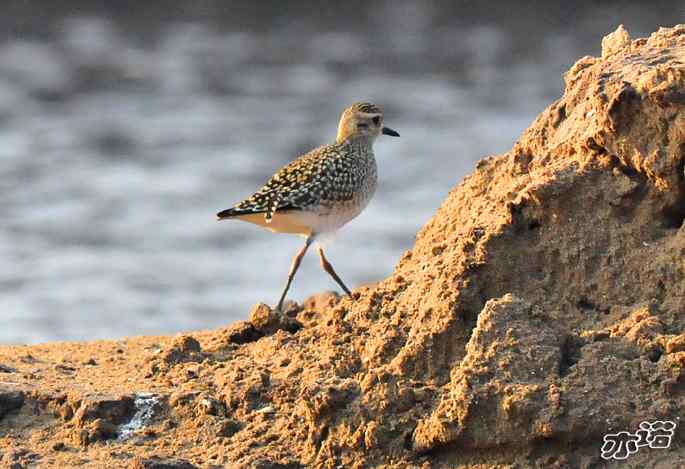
[(329, 268), (293, 268)]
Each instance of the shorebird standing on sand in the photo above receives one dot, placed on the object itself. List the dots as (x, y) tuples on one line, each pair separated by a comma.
[(320, 191)]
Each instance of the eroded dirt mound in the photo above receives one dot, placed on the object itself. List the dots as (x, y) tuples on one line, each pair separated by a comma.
[(542, 307)]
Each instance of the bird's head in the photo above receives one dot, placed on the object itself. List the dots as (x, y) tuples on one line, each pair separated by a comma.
[(362, 121)]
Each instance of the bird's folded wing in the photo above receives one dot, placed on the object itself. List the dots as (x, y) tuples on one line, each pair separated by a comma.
[(296, 186)]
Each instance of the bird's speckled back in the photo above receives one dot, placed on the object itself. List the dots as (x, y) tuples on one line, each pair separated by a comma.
[(339, 173)]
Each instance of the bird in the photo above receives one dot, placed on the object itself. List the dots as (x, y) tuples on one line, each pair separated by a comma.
[(320, 191)]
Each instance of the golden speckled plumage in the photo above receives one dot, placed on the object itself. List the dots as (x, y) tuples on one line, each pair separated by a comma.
[(342, 174), (327, 175), (321, 190)]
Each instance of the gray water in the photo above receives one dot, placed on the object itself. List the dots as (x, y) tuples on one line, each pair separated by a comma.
[(123, 132)]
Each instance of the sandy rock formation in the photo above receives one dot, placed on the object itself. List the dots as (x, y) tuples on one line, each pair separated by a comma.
[(542, 307)]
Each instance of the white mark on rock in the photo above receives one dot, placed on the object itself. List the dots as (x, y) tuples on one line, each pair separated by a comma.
[(145, 410), (266, 410)]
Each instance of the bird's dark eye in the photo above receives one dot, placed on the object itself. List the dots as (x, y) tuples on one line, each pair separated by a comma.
[(376, 120), (362, 125)]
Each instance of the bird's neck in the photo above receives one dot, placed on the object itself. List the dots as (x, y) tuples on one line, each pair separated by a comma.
[(364, 143)]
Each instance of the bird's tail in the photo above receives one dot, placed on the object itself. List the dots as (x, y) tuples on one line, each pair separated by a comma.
[(234, 212), (228, 213)]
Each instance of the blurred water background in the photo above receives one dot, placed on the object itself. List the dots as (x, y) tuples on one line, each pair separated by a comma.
[(124, 127)]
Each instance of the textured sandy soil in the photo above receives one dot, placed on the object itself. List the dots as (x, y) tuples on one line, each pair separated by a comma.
[(542, 307)]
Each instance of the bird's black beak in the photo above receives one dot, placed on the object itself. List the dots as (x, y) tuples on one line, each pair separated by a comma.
[(389, 131)]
